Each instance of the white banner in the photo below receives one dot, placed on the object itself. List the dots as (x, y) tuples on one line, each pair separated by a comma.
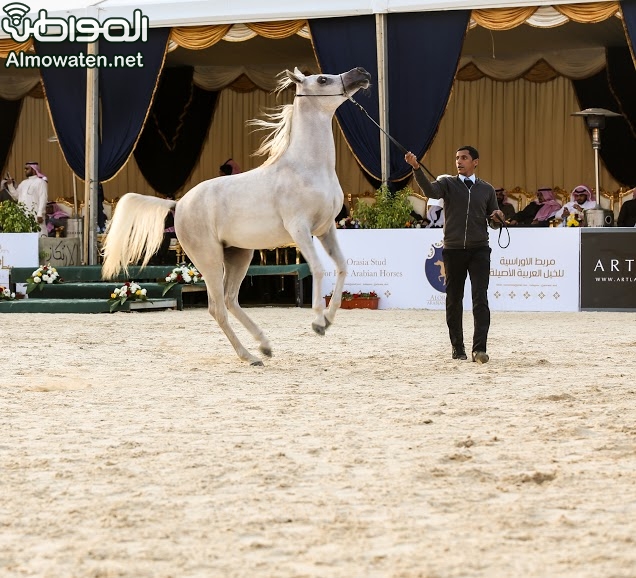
[(17, 250), (538, 271)]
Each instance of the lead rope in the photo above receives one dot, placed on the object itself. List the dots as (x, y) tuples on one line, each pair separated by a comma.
[(403, 149)]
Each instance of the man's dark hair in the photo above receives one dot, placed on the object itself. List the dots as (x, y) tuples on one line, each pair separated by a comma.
[(472, 151)]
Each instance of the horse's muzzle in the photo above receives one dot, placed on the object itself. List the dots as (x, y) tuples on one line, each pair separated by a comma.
[(358, 78)]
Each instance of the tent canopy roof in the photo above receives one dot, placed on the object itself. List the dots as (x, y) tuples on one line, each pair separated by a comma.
[(198, 12)]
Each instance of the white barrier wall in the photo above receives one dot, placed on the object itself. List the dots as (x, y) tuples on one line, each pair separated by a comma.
[(17, 250), (538, 271)]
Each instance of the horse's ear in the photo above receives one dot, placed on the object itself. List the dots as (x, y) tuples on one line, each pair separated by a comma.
[(296, 76)]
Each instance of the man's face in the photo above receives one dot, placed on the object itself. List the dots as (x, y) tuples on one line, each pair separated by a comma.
[(466, 165), (540, 197), (500, 197), (580, 198), (29, 171)]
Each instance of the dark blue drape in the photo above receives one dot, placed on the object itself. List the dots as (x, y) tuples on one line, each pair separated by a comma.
[(628, 9), (341, 44), (424, 50), (171, 142), (423, 53), (617, 140), (125, 95), (9, 115)]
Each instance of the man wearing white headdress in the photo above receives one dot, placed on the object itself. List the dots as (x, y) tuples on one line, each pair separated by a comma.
[(34, 193), (581, 199)]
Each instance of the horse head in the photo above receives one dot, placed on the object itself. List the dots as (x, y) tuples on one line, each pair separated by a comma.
[(343, 85)]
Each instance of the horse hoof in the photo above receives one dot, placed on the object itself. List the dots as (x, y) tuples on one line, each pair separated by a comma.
[(327, 323), (319, 329), (256, 363), (267, 351)]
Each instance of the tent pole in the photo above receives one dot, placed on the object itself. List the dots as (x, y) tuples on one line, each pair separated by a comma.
[(383, 93), (91, 162)]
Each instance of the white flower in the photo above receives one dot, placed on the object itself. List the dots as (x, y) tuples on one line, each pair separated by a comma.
[(143, 292), (116, 291), (37, 280), (169, 278), (12, 295)]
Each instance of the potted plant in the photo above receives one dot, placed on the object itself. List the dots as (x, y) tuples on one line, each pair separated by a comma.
[(390, 210), (358, 300), (16, 218)]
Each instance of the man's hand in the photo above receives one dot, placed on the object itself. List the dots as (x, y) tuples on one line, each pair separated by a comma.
[(410, 158), (498, 216)]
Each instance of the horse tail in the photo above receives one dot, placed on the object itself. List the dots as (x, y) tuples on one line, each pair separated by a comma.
[(135, 232)]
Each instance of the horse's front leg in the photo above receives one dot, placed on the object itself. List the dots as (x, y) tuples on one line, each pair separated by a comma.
[(302, 238), (330, 243)]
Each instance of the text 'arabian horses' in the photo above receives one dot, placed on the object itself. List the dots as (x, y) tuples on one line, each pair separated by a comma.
[(295, 194)]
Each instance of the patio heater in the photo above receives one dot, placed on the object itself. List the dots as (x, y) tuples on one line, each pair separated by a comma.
[(595, 120)]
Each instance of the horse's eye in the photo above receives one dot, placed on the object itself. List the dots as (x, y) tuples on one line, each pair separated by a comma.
[(322, 80)]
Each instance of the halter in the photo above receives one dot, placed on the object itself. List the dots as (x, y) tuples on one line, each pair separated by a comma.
[(343, 93)]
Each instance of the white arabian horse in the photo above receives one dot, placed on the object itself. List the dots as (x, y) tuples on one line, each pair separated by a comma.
[(293, 195)]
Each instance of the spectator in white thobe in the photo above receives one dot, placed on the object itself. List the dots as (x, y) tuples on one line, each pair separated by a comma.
[(33, 191)]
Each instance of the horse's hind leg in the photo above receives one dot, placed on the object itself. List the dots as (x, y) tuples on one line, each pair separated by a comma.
[(237, 261), (211, 267)]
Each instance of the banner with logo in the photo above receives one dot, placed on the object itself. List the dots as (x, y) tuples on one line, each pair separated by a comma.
[(608, 269), (538, 271)]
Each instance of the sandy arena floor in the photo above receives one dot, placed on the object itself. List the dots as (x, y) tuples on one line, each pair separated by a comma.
[(138, 445)]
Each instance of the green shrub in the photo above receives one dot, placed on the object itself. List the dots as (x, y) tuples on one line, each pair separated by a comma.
[(390, 211), (16, 218)]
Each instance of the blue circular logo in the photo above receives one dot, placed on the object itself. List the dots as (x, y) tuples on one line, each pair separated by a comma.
[(434, 267)]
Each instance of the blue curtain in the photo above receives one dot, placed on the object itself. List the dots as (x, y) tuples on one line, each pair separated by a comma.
[(125, 94), (171, 142), (617, 140), (9, 115), (423, 53), (424, 50), (628, 9), (341, 44)]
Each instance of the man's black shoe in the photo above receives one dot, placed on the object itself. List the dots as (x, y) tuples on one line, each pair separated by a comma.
[(459, 354), (480, 357)]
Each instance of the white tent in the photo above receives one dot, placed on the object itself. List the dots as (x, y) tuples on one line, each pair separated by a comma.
[(482, 48)]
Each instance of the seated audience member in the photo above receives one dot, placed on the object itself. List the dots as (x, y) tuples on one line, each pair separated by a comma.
[(343, 214), (101, 215), (435, 215), (581, 199), (229, 167), (627, 216), (55, 217), (539, 212), (505, 206)]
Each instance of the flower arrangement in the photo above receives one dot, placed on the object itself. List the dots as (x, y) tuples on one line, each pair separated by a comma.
[(6, 295), (186, 274), (357, 300), (45, 275), (129, 291), (572, 221)]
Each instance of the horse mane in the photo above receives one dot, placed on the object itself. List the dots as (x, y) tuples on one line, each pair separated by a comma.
[(278, 122)]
